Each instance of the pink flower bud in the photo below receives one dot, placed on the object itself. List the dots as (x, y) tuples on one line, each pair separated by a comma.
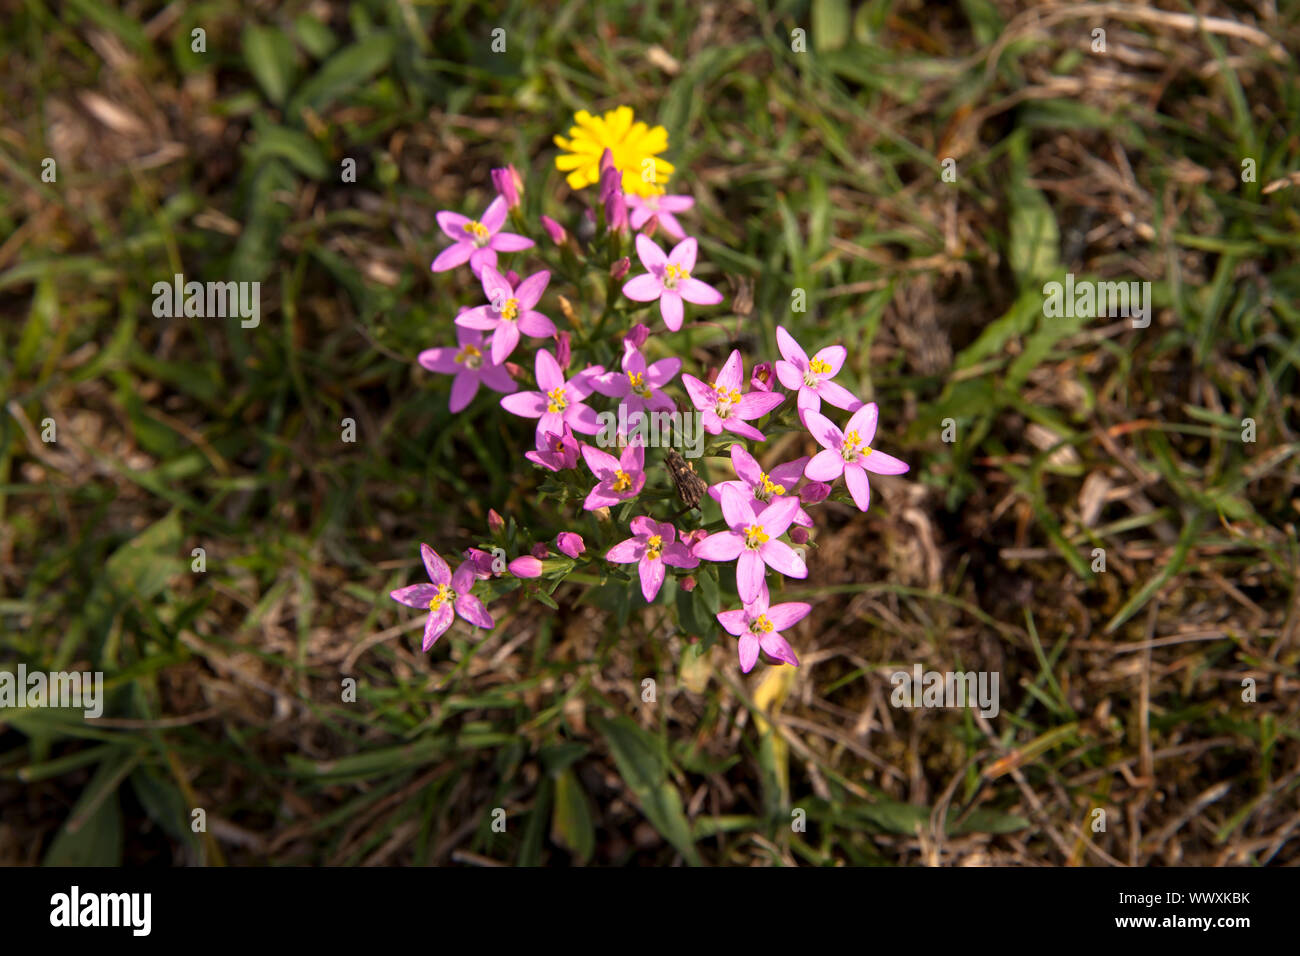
[(496, 524), (539, 551), (621, 268), (570, 543), (799, 535), (508, 184), (616, 213), (513, 278), (563, 349), (692, 538), (638, 334), (651, 227), (514, 370), (761, 380), (555, 231), (481, 562), (687, 583), (713, 375), (526, 567), (814, 492)]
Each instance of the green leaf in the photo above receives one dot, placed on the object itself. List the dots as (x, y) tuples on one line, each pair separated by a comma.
[(143, 566), (269, 55), (92, 834), (343, 72), (830, 24), (642, 767), (293, 146), (571, 825)]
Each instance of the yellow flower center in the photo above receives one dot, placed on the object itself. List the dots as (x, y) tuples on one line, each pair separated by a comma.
[(558, 400), (654, 547), (820, 366), (477, 230), (674, 274), (510, 311), (767, 487), (470, 356), (445, 595), (622, 480), (853, 448), (755, 536), (637, 381), (760, 625), (726, 398)]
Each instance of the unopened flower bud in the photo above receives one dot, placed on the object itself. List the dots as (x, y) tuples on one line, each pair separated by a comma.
[(651, 227), (570, 543), (526, 567), (555, 231), (512, 277), (636, 337), (799, 535), (687, 583), (509, 184), (496, 524), (620, 268), (761, 379), (539, 551), (563, 349), (814, 492)]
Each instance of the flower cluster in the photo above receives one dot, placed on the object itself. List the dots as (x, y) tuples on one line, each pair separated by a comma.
[(763, 527)]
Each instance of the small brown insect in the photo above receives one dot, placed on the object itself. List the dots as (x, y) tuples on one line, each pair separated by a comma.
[(689, 485)]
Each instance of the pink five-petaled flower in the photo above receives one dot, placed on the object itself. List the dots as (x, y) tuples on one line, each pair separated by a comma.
[(653, 546), (811, 378), (643, 207), (559, 402), (447, 591), (470, 366), (849, 452), (638, 384), (556, 451), (477, 240), (509, 312), (668, 279), (759, 487), (752, 539), (618, 478), (723, 404), (759, 625)]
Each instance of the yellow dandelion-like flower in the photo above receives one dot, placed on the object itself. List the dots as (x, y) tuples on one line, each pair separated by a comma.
[(634, 144)]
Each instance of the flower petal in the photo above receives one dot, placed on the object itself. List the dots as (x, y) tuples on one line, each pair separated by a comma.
[(651, 256), (439, 573), (471, 609), (437, 623), (721, 546), (825, 465), (643, 288), (749, 575), (859, 487), (883, 464)]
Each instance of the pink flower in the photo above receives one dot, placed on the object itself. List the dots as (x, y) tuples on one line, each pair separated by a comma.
[(559, 402), (652, 546), (752, 539), (570, 543), (446, 591), (662, 207), (811, 378), (761, 380), (526, 566), (759, 487), (469, 365), (849, 452), (723, 404), (483, 563), (509, 312), (556, 451), (638, 385), (759, 625), (508, 184), (618, 479), (668, 279), (477, 240), (636, 336)]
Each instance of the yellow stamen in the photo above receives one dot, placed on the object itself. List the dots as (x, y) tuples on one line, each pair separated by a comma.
[(510, 311), (674, 274), (654, 547), (755, 536), (820, 366), (558, 400), (622, 480), (761, 623), (637, 381), (445, 595), (767, 487), (477, 230), (469, 356)]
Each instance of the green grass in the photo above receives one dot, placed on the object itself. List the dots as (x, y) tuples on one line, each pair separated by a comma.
[(817, 171)]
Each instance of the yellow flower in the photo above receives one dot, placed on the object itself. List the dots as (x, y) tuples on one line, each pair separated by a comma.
[(633, 144)]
